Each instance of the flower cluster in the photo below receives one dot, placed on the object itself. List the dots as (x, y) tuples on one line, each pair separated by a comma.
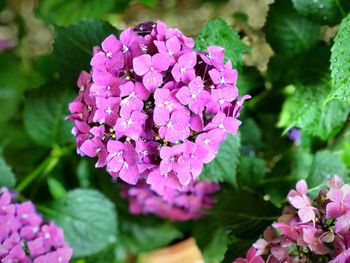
[(188, 203), (153, 108), (25, 238), (309, 230)]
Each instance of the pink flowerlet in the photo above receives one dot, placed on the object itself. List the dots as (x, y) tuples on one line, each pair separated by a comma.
[(133, 94), (122, 161), (150, 68), (224, 124), (342, 224), (251, 257), (107, 87), (211, 141), (191, 160), (177, 127), (300, 201), (148, 152), (226, 77), (183, 70), (194, 95), (342, 258), (312, 238), (131, 124), (131, 46), (335, 182), (160, 181), (221, 99), (165, 103), (171, 47), (110, 57), (84, 82), (339, 202), (213, 56), (107, 110)]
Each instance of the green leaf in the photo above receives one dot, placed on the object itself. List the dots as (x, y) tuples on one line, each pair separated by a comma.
[(211, 240), (223, 167), (340, 63), (73, 46), (88, 219), (249, 80), (218, 33), (244, 214), (7, 178), (67, 12), (289, 33), (44, 115), (56, 188), (325, 11), (324, 165), (251, 137), (141, 234), (304, 109), (83, 173), (252, 170)]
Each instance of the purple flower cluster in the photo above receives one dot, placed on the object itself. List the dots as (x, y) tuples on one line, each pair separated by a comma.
[(24, 237), (308, 231), (153, 108), (179, 205)]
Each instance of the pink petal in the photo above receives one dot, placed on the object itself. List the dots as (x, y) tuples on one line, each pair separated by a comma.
[(152, 80), (301, 187), (188, 60), (306, 214), (130, 174), (183, 95), (160, 61), (142, 64)]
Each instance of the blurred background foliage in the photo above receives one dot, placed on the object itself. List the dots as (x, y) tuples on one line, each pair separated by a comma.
[(286, 47)]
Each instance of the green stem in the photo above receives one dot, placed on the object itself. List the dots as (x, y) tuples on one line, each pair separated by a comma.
[(44, 168), (341, 10)]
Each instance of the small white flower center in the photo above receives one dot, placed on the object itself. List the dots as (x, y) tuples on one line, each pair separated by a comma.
[(125, 48), (222, 80), (182, 70), (221, 126), (109, 110), (221, 101), (109, 54), (206, 141), (169, 125)]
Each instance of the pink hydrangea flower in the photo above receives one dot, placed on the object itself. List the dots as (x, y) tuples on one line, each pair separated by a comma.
[(190, 202), (25, 237), (322, 232), (148, 95)]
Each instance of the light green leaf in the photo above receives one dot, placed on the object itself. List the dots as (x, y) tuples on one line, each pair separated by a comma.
[(218, 33), (340, 63), (304, 109), (324, 11), (7, 178), (44, 115), (223, 167), (55, 187), (73, 46), (67, 12), (324, 165), (289, 33), (88, 219)]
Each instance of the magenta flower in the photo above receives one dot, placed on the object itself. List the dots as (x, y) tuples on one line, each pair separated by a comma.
[(251, 257), (194, 95), (183, 70), (294, 238), (150, 110), (24, 237), (150, 68), (121, 161), (110, 57), (190, 202)]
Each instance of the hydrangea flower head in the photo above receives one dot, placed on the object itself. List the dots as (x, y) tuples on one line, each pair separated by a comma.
[(191, 202), (25, 237), (309, 230), (154, 109)]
